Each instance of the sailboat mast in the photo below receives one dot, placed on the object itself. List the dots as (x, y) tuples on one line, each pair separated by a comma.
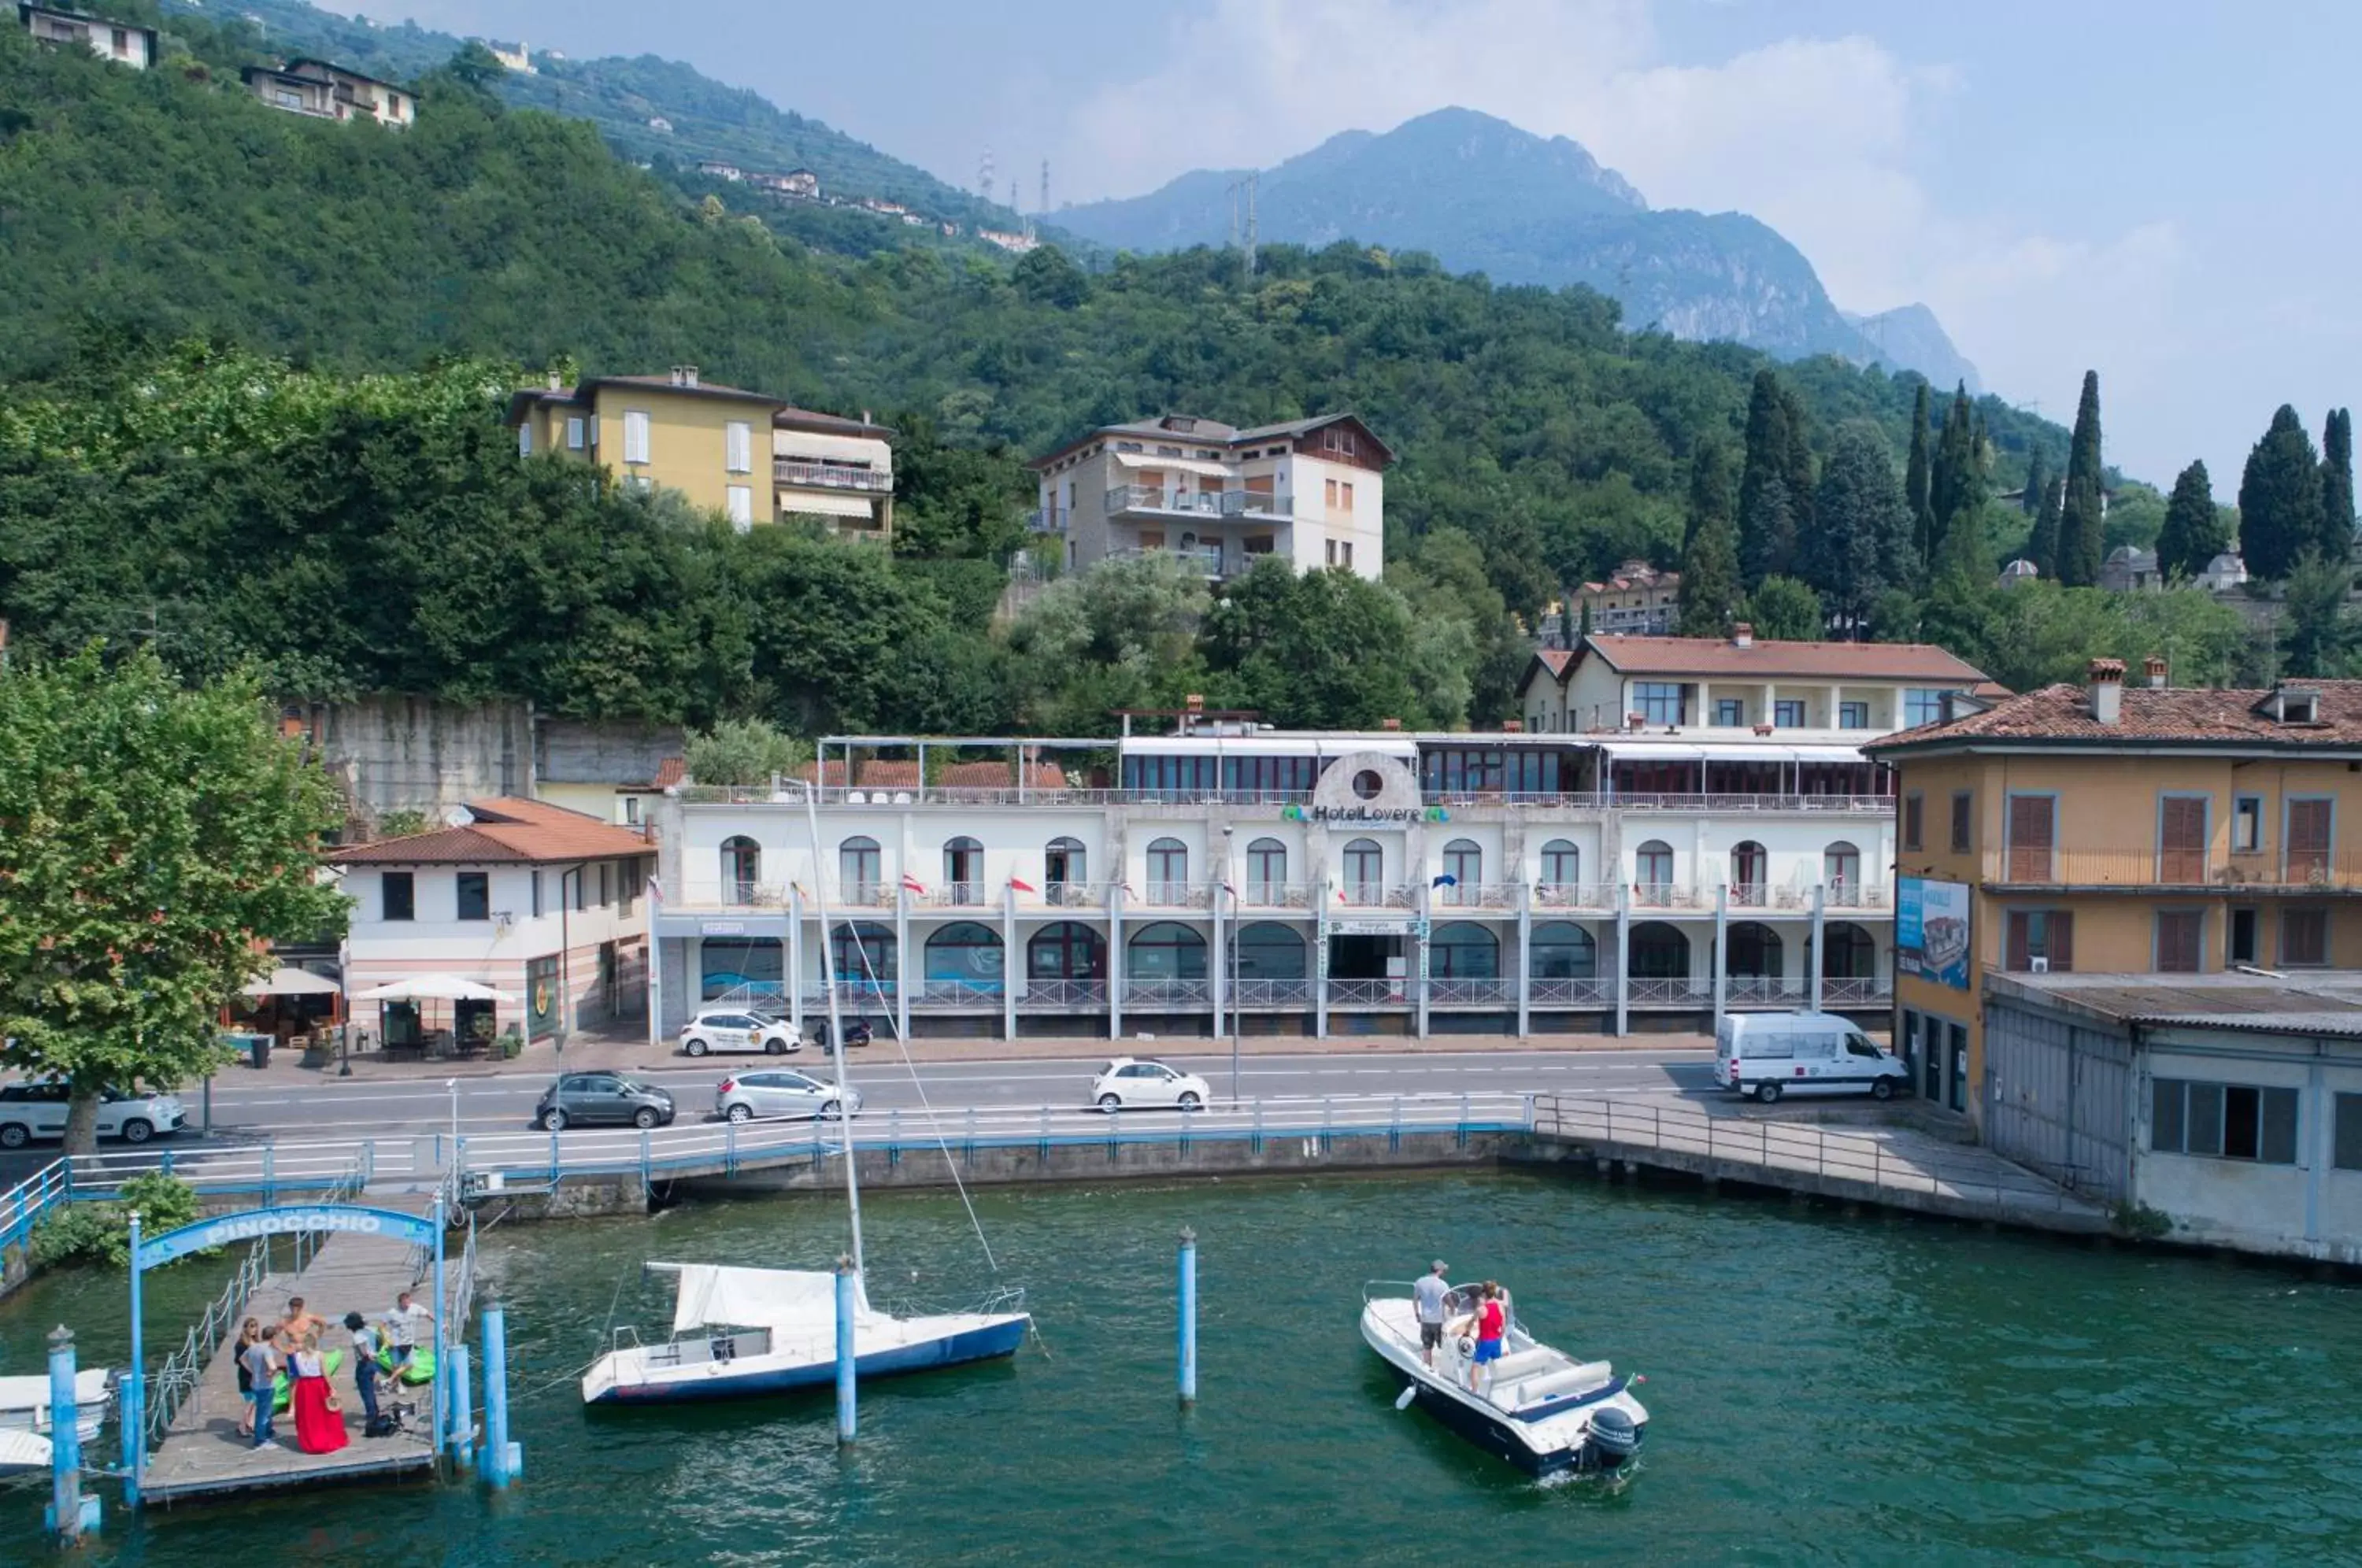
[(836, 1023)]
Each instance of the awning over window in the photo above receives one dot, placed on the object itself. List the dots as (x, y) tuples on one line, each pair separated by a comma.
[(805, 501), (1176, 465)]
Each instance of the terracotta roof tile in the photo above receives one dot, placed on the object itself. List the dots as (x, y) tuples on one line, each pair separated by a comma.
[(1717, 658), (505, 830), (670, 772), (2190, 716)]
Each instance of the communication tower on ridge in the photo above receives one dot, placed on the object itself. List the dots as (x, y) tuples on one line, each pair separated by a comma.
[(984, 175), (1046, 187), (1244, 185)]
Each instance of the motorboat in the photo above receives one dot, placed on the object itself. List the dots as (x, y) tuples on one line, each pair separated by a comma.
[(1536, 1407), (25, 1415), (739, 1332)]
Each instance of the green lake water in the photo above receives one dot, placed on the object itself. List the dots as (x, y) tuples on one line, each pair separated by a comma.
[(1822, 1387)]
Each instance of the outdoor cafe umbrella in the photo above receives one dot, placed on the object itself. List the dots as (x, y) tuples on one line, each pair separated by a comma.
[(430, 987)]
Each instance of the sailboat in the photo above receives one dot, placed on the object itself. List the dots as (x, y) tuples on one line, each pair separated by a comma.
[(738, 1331)]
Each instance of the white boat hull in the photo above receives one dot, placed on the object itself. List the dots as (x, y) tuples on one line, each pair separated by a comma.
[(749, 1363), (24, 1405), (1542, 1411)]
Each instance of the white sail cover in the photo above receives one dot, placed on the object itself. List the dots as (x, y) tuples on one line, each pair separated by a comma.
[(711, 1296), (24, 1399)]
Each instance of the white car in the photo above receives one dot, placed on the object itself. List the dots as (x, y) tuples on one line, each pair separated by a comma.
[(720, 1029), (37, 1109), (744, 1097), (1129, 1083)]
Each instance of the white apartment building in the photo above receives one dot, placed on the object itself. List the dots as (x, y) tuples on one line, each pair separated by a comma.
[(121, 42), (1311, 491), (546, 904), (1226, 875), (324, 91)]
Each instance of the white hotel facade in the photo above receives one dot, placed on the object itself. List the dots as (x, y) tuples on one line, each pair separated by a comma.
[(1609, 876)]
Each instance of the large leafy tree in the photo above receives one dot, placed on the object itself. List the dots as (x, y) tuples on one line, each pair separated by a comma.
[(1316, 650), (2081, 520), (2194, 531), (2280, 499), (152, 839), (1783, 609)]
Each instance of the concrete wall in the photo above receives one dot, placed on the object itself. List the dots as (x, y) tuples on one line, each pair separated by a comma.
[(395, 753)]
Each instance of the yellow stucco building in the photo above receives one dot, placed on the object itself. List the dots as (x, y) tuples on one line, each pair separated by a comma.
[(2100, 829)]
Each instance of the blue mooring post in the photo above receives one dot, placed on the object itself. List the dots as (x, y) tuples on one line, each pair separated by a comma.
[(1188, 1316), (463, 1418), (131, 1417), (846, 1422), (503, 1461), (71, 1513)]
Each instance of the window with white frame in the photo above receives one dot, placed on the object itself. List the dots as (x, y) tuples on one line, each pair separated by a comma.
[(742, 506), (738, 443), (635, 436), (2223, 1121), (574, 433), (524, 438)]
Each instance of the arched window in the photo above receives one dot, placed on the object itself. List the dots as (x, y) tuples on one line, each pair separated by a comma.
[(1365, 872), (1266, 871), (1464, 862), (1068, 950), (1847, 952), (964, 955), (1652, 872), (1463, 950), (1660, 952), (1841, 869), (1750, 867), (1561, 864), (742, 870), (1165, 950), (964, 871), (862, 952), (1270, 951), (860, 878), (1560, 950), (1754, 953), (1169, 872), (1064, 865)]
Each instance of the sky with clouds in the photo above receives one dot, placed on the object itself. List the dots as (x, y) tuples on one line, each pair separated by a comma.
[(2161, 190)]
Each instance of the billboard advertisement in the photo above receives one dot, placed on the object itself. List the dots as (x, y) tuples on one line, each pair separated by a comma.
[(1931, 931)]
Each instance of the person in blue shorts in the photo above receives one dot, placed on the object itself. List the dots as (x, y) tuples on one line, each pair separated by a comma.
[(1491, 1321)]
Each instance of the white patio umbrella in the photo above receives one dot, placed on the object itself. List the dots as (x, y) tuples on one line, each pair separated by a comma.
[(435, 988)]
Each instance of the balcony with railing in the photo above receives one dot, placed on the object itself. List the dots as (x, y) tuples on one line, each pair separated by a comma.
[(1575, 895), (938, 994), (1252, 994), (1672, 896), (1855, 992), (1377, 896), (1488, 991), (1177, 895), (1208, 558), (1174, 500), (1254, 895), (1563, 991), (1046, 520), (1067, 896), (2297, 872), (800, 474), (1680, 992), (1168, 993), (1064, 994), (1475, 896), (1765, 990), (1387, 992)]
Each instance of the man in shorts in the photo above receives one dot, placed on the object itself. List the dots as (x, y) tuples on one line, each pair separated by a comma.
[(1429, 1294)]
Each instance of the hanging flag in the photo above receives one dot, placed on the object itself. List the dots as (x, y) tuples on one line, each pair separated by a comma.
[(910, 885), (1023, 885), (1341, 895), (656, 893), (1446, 881), (1227, 888)]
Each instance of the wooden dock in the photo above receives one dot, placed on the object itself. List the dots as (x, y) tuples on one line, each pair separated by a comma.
[(202, 1452)]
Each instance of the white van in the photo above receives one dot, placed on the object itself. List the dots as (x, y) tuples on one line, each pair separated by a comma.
[(1767, 1053)]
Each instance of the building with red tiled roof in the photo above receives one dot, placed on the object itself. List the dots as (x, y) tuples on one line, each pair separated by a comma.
[(545, 904), (2136, 830)]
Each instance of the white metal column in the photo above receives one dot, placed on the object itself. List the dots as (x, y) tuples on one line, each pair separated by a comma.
[(1426, 926), (791, 961), (1623, 959), (1321, 961), (1221, 975), (1010, 969), (1525, 958), (902, 960), (1814, 958), (1115, 962), (1720, 956)]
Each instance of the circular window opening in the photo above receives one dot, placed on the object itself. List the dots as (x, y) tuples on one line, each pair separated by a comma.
[(1368, 784)]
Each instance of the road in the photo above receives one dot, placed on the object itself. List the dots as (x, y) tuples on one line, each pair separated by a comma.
[(337, 1109)]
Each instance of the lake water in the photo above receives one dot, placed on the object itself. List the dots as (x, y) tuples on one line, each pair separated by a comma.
[(1823, 1387)]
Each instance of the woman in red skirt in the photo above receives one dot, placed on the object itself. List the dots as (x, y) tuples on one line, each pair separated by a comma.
[(319, 1419)]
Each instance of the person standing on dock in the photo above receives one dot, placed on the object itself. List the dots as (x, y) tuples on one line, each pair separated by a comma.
[(367, 1344), (261, 1365), (1429, 1294), (401, 1327)]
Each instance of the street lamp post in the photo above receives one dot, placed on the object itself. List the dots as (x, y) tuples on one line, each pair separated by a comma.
[(453, 1085), (1229, 872)]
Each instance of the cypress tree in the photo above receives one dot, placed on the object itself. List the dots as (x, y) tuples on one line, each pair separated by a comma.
[(2081, 526), (2037, 479), (1711, 593), (1862, 520), (2280, 500), (2042, 545), (1798, 468), (1955, 487), (2337, 487), (1767, 530), (1916, 478), (1764, 461), (2193, 533)]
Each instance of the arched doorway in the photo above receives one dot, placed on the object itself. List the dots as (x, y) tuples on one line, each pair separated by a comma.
[(1068, 950), (1561, 871), (1653, 873), (964, 871), (1266, 871), (1268, 953), (1064, 865), (1660, 952), (963, 960), (1169, 872), (1165, 962), (1841, 871), (1364, 865), (860, 878), (1750, 869), (742, 870), (1464, 862), (1562, 950), (1754, 957)]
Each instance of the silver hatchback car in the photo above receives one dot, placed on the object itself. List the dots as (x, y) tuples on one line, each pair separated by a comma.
[(776, 1093)]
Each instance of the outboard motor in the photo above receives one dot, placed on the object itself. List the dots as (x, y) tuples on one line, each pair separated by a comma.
[(1614, 1439)]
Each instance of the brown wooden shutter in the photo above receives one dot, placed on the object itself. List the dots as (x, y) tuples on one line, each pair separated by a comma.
[(2181, 840), (2178, 941), (2308, 840), (2013, 956), (2062, 941), (1913, 818), (2030, 838)]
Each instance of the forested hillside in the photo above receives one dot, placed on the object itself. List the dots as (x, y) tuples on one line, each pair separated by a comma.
[(374, 540)]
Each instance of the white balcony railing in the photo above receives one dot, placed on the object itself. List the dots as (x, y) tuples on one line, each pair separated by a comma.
[(1562, 992), (1369, 993), (1575, 895), (829, 476), (1168, 993), (1196, 502), (1476, 896)]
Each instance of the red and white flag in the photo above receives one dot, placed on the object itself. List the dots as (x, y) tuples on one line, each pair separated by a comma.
[(910, 885), (656, 893), (1023, 885)]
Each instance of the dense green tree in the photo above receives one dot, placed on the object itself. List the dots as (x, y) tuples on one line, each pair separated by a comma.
[(743, 751), (2337, 542), (2037, 481), (2193, 531), (1801, 470), (1918, 479), (1955, 486), (2081, 521), (152, 837), (1768, 511), (2280, 499), (1783, 609), (1316, 650), (2319, 632), (1711, 594), (2042, 545), (1864, 543), (1047, 276)]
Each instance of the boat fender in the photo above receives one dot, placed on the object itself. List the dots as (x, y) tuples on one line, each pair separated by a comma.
[(1613, 1440)]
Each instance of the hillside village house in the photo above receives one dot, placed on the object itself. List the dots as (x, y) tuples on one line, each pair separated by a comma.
[(747, 455), (544, 904), (324, 90), (2129, 943), (121, 42), (1311, 491), (1316, 883), (1636, 599)]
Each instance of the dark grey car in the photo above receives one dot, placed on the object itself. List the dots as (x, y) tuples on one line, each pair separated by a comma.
[(583, 1100)]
